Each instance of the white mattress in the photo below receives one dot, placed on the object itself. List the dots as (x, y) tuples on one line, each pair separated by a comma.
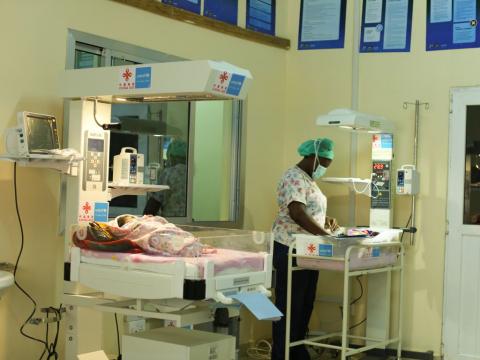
[(225, 262)]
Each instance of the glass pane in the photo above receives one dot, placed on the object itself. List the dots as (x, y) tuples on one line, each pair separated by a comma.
[(213, 161), (118, 61), (85, 59), (159, 131), (472, 166)]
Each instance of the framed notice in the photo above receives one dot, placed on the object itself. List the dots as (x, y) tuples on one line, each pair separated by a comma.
[(261, 16), (452, 24), (386, 26), (222, 10), (322, 24), (190, 5)]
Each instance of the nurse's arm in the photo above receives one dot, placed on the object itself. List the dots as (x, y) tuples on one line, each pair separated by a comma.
[(299, 214)]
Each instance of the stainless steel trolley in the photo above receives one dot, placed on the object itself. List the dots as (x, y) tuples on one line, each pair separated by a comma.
[(371, 343)]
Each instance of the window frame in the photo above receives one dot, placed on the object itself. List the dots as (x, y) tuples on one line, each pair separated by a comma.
[(108, 49)]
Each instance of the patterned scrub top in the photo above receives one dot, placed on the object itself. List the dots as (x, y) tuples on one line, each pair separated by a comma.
[(297, 185), (174, 201)]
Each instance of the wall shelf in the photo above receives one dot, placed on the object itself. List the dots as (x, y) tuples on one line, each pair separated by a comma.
[(65, 164), (117, 190), (175, 13)]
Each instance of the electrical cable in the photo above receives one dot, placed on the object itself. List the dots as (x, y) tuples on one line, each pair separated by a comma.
[(118, 338), (361, 291), (354, 302), (49, 349), (17, 284), (358, 324), (368, 186), (52, 348), (103, 126), (261, 351), (406, 226)]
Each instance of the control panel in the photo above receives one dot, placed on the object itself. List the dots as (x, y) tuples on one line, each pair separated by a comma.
[(381, 182), (95, 161)]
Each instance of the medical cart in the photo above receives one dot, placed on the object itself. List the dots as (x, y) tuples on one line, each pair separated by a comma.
[(343, 261)]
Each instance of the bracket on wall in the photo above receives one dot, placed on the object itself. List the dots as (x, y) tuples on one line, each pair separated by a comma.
[(175, 13)]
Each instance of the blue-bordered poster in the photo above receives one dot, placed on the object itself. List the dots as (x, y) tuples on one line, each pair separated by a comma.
[(322, 24), (261, 16), (222, 10), (452, 24), (386, 26), (190, 5)]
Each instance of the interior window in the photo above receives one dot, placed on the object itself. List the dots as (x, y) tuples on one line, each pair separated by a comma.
[(193, 147)]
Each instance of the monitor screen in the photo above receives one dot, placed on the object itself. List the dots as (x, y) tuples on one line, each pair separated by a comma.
[(95, 145), (40, 132)]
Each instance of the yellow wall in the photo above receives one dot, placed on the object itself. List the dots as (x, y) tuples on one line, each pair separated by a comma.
[(34, 38), (290, 89), (319, 81)]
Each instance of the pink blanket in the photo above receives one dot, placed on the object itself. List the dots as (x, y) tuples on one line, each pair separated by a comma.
[(223, 260), (149, 234)]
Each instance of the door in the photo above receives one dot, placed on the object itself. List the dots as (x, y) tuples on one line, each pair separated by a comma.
[(461, 322)]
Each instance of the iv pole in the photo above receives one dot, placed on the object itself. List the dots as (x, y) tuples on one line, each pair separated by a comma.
[(417, 104)]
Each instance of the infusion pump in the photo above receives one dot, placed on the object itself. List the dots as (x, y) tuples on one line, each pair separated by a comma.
[(128, 167), (407, 180), (95, 165)]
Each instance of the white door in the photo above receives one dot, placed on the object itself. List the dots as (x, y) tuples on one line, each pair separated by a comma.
[(461, 322)]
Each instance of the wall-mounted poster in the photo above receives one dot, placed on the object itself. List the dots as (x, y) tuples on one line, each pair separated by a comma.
[(222, 10), (190, 5), (386, 26), (322, 24), (261, 16), (452, 24)]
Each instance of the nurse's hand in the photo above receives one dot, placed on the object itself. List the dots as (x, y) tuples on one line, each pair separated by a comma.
[(331, 224)]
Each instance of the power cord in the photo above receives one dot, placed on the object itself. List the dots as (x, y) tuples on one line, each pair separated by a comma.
[(406, 226), (119, 357), (17, 284), (49, 349), (361, 290), (111, 126), (262, 350), (354, 302)]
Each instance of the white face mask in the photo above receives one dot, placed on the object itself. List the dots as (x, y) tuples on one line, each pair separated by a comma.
[(319, 172)]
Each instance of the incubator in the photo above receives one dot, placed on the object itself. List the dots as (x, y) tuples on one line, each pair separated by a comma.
[(140, 284)]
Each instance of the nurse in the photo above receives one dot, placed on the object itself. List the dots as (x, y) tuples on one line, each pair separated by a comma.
[(302, 209)]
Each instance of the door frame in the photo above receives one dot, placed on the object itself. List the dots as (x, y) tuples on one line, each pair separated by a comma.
[(460, 98)]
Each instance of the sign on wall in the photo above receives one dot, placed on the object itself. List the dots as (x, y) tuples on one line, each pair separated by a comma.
[(386, 26), (452, 24), (222, 10), (261, 16), (190, 5), (322, 24)]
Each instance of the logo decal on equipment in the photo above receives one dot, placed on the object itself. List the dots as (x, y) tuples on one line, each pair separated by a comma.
[(221, 82), (85, 212), (135, 78), (127, 74), (223, 77)]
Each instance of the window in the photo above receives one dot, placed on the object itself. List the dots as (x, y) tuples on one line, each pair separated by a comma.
[(194, 147), (472, 166)]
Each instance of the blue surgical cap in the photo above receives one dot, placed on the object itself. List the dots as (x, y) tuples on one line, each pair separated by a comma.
[(177, 148), (323, 148)]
